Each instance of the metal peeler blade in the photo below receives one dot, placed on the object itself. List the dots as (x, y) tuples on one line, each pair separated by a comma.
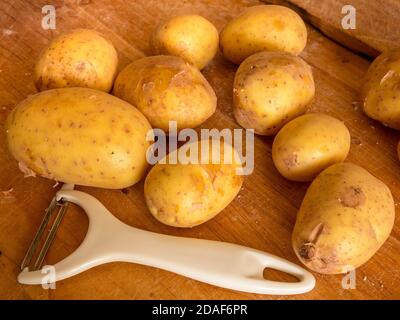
[(57, 208)]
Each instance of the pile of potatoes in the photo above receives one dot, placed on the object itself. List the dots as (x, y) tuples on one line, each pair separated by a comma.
[(75, 131), (347, 214)]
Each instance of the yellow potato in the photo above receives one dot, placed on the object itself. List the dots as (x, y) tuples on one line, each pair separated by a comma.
[(381, 90), (263, 28), (309, 144), (166, 88), (270, 89), (81, 58), (346, 216), (186, 195), (191, 37), (81, 136)]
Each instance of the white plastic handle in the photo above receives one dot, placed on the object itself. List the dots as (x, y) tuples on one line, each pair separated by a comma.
[(218, 263)]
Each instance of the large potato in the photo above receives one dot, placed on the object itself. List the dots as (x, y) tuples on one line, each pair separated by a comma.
[(81, 136), (381, 90), (309, 144), (263, 28), (346, 216), (270, 89), (81, 58), (166, 88), (186, 195), (191, 37)]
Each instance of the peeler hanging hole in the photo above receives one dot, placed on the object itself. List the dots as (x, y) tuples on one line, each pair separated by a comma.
[(277, 275)]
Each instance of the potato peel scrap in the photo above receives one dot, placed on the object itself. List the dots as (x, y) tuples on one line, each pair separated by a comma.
[(28, 172)]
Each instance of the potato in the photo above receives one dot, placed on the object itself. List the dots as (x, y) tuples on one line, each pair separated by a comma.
[(186, 195), (166, 88), (81, 58), (309, 144), (346, 216), (81, 136), (270, 89), (381, 90), (263, 28), (191, 37)]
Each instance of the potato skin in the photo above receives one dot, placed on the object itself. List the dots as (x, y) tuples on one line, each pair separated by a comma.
[(81, 136), (191, 37), (380, 93), (270, 89), (186, 195), (81, 58), (166, 88), (346, 216), (309, 144), (263, 28)]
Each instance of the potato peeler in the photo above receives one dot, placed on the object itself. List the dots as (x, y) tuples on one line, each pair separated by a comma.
[(108, 240)]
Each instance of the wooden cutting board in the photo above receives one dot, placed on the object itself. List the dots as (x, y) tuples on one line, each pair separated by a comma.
[(263, 214)]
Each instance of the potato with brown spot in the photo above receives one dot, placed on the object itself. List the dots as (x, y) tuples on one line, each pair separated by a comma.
[(381, 91), (80, 136), (80, 58), (191, 37), (309, 144), (166, 88), (270, 89), (352, 197), (188, 194), (263, 28), (346, 216)]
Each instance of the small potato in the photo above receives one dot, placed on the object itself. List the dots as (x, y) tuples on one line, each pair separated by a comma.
[(186, 195), (166, 88), (270, 89), (191, 37), (263, 28), (381, 90), (80, 136), (346, 216), (81, 58), (309, 144)]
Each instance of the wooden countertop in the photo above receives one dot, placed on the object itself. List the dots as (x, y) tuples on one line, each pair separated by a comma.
[(263, 214)]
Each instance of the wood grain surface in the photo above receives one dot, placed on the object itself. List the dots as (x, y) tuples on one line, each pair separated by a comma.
[(376, 22), (263, 214)]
